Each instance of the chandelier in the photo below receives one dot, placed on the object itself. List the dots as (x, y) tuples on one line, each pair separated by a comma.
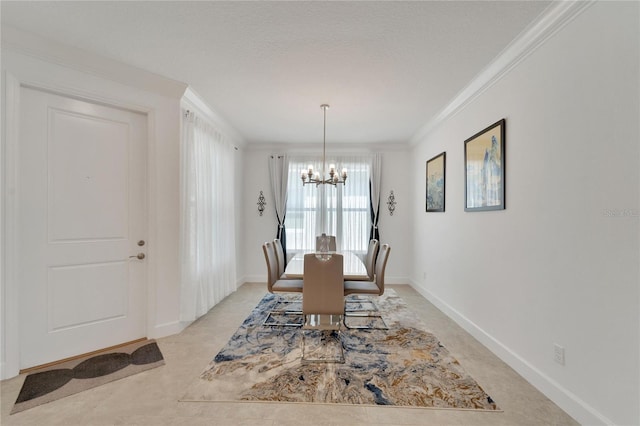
[(309, 176)]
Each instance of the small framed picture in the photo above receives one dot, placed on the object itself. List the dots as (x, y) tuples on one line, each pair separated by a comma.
[(436, 183), (484, 166)]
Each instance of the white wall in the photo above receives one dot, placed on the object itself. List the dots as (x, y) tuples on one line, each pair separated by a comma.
[(555, 266), (394, 230), (257, 229)]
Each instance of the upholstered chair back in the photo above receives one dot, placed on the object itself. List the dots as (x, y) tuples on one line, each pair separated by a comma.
[(322, 291)]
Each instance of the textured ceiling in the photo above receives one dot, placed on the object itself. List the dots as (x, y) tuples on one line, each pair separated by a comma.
[(385, 68)]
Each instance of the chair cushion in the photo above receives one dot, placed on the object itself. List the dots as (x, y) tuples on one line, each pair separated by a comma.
[(288, 286), (366, 287)]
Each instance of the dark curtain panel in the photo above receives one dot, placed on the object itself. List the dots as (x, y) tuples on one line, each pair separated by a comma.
[(375, 214), (278, 176), (282, 236)]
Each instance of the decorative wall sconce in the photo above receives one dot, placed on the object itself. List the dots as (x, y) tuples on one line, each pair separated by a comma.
[(391, 203), (261, 203)]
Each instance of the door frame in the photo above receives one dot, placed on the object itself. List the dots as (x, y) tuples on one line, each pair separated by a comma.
[(10, 191)]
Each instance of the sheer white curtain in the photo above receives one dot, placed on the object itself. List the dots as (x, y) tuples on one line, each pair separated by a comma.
[(303, 203), (342, 211), (207, 243)]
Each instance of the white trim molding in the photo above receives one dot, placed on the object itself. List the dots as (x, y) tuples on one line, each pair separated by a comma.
[(568, 401), (552, 19), (90, 63), (9, 336), (191, 99), (167, 329), (22, 70)]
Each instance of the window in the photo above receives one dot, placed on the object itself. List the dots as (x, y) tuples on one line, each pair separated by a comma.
[(342, 211)]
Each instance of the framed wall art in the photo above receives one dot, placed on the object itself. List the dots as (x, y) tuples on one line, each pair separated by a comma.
[(484, 167), (436, 183)]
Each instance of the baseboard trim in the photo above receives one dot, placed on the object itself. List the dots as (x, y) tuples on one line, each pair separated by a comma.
[(569, 402), (255, 279), (241, 281), (260, 279), (7, 374), (167, 329), (390, 279)]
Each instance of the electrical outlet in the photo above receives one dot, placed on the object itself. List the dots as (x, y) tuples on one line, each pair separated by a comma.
[(558, 354)]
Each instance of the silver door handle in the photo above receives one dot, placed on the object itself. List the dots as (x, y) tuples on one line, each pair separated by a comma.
[(139, 256)]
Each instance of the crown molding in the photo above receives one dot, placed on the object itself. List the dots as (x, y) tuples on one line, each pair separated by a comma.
[(71, 57), (33, 45), (192, 100), (550, 21), (341, 148)]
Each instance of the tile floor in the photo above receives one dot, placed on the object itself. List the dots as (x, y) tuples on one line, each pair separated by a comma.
[(151, 397)]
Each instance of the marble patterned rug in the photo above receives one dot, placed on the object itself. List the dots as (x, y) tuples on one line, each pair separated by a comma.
[(403, 365)]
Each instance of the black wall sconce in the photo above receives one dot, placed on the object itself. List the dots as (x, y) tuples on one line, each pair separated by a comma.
[(391, 203), (261, 203)]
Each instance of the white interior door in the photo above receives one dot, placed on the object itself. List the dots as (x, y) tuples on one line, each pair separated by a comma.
[(82, 169)]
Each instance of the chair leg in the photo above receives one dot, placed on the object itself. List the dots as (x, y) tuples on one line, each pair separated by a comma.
[(291, 319), (323, 321), (322, 346), (371, 321), (285, 317), (354, 304)]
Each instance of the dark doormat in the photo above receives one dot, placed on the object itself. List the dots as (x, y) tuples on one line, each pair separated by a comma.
[(68, 378)]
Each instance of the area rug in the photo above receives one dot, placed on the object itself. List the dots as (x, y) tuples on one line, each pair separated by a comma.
[(71, 377), (403, 365)]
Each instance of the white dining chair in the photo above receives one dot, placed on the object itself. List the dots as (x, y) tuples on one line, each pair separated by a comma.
[(323, 308), (274, 283), (376, 285), (331, 246), (372, 319), (282, 262), (370, 258), (287, 316), (322, 291)]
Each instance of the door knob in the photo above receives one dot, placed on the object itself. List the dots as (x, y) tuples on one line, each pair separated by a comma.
[(141, 243), (139, 256)]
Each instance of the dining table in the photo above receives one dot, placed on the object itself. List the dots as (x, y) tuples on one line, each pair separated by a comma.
[(353, 267)]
